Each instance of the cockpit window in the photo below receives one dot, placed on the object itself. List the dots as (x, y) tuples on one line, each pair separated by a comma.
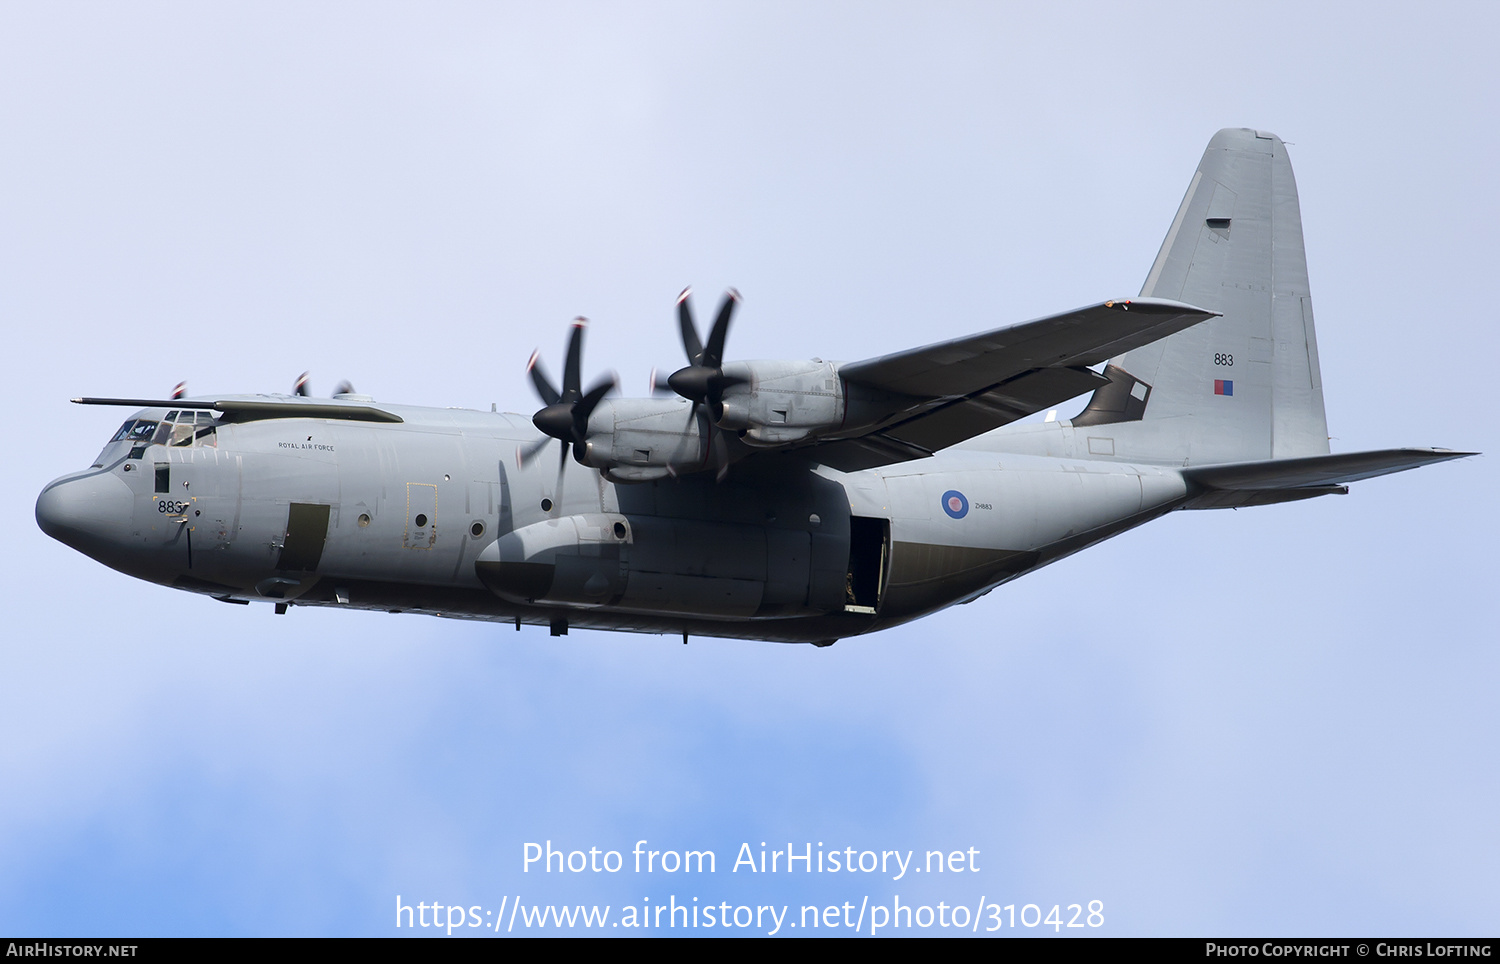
[(186, 427), (140, 430), (182, 432), (193, 428)]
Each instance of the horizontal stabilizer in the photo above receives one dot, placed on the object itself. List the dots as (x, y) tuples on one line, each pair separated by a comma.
[(1317, 470)]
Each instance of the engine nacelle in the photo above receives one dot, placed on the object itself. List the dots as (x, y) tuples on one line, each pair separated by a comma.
[(779, 402), (766, 404), (639, 439)]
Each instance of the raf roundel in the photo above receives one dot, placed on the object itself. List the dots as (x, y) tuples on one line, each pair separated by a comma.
[(955, 504)]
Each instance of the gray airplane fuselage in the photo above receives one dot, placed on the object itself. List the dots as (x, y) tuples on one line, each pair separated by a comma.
[(779, 500), (433, 515)]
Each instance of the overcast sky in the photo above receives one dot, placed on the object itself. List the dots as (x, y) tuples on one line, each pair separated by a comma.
[(1274, 721)]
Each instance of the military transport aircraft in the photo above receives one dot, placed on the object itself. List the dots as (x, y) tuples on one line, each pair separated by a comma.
[(795, 501)]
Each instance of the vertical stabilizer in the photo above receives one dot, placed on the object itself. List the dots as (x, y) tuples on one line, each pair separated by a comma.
[(1246, 385)]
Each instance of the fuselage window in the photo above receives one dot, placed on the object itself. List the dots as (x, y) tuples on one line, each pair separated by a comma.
[(124, 431)]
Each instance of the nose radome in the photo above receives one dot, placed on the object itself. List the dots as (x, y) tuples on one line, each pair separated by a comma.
[(82, 511)]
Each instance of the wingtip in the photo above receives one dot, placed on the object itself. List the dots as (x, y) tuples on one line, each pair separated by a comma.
[(1161, 305)]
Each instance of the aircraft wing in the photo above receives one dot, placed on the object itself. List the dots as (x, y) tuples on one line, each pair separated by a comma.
[(965, 387), (1073, 339)]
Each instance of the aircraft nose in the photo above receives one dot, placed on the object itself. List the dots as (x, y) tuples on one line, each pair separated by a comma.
[(82, 511)]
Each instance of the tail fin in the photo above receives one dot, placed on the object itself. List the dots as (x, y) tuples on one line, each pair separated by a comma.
[(1246, 385)]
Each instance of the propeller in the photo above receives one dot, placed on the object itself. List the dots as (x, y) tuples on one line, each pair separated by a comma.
[(703, 381), (179, 391), (345, 387), (565, 414)]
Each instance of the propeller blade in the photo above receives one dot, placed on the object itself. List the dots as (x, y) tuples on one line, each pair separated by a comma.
[(345, 387), (525, 453), (720, 452), (583, 408), (300, 388), (713, 355), (574, 359), (658, 385), (595, 395), (715, 450), (557, 486), (705, 432), (672, 467), (690, 342), (540, 380), (181, 390)]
